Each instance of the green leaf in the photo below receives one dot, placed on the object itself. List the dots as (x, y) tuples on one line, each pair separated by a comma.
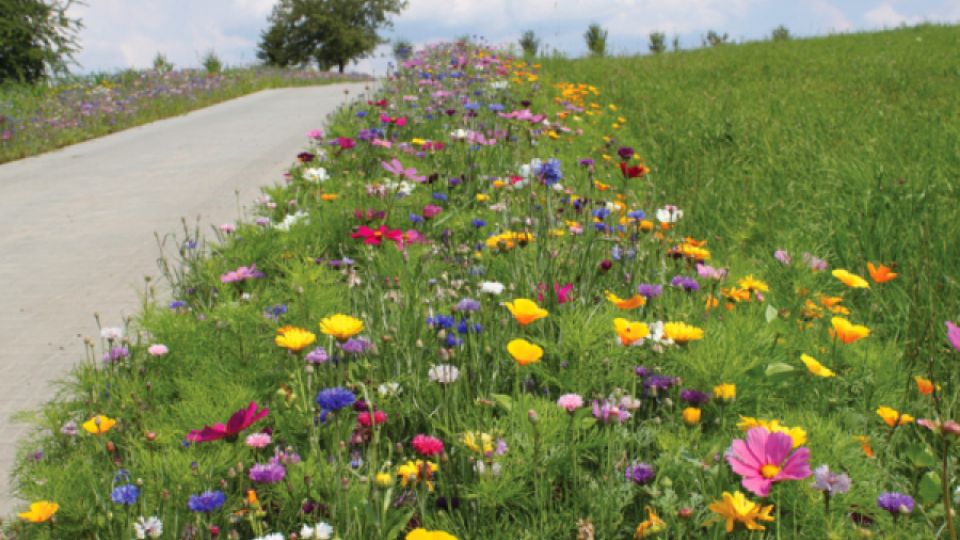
[(771, 313), (778, 368), (921, 456), (504, 401), (929, 488)]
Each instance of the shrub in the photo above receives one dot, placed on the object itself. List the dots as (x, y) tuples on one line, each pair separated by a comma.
[(402, 49), (596, 38), (713, 39), (658, 42), (530, 44), (211, 62), (780, 33), (161, 64)]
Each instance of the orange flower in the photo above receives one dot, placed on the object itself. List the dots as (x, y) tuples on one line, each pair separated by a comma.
[(882, 274), (865, 444), (634, 302), (525, 311), (925, 386), (847, 331), (850, 279), (892, 417), (40, 511)]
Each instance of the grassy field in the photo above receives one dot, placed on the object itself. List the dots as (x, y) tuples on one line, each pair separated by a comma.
[(37, 118), (765, 178)]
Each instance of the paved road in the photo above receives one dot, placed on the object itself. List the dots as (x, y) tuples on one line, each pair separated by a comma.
[(77, 227)]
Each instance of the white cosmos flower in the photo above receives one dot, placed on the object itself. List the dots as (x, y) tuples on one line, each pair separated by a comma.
[(444, 373), (320, 531), (669, 214), (491, 287), (459, 134), (291, 220), (498, 85), (316, 174), (389, 389), (150, 527)]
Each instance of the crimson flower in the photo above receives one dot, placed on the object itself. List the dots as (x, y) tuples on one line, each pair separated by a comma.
[(346, 143), (240, 421), (376, 236), (633, 172), (427, 446)]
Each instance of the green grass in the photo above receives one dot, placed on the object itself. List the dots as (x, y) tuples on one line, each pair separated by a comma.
[(845, 147)]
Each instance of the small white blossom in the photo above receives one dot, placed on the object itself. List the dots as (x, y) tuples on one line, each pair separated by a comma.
[(320, 531), (111, 333), (148, 527), (316, 174), (491, 287), (444, 373)]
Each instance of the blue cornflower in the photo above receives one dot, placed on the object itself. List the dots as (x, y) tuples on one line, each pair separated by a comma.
[(445, 322), (361, 114), (600, 213), (126, 494), (208, 501), (637, 214), (895, 502), (440, 196), (177, 304), (471, 106), (550, 171), (453, 341), (275, 312), (495, 107), (334, 399), (467, 305), (649, 290), (416, 218), (478, 223)]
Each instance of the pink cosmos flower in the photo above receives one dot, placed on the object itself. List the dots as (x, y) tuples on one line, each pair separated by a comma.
[(157, 349), (258, 440), (764, 458), (346, 143), (427, 446), (381, 143), (394, 166), (431, 211), (376, 236), (242, 274), (570, 402), (315, 134), (240, 421), (953, 334)]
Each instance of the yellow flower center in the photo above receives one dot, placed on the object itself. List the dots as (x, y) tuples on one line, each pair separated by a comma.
[(769, 471)]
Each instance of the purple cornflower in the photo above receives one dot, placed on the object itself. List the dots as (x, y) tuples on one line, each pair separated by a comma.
[(208, 501), (586, 162), (686, 283), (694, 397), (317, 356), (478, 223), (116, 354), (655, 384), (467, 305), (829, 482), (815, 263), (642, 371), (895, 502), (625, 153), (126, 494), (782, 256), (267, 473), (355, 346), (607, 412), (708, 272), (639, 473), (649, 290), (550, 172)]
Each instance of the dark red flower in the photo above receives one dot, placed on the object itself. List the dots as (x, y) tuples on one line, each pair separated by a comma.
[(633, 172), (240, 421)]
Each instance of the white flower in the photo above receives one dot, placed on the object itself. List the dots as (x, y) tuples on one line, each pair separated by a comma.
[(498, 85), (656, 335), (272, 536), (389, 389), (320, 531), (316, 174), (528, 169), (157, 349), (459, 134), (444, 373), (401, 189), (669, 214), (291, 220), (491, 287), (111, 333), (150, 527)]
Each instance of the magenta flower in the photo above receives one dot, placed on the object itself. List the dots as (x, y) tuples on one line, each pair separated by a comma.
[(376, 236), (427, 446), (345, 143), (394, 166), (607, 412), (242, 274), (431, 211), (240, 421), (953, 334), (764, 458)]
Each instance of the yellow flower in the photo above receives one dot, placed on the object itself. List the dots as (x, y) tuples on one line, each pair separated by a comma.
[(412, 473), (482, 197), (847, 331), (40, 511), (850, 279), (736, 508), (682, 332), (341, 326), (650, 526), (99, 424), (525, 311), (799, 435), (383, 479), (752, 284), (815, 367), (423, 534), (630, 303), (293, 338), (892, 417), (524, 352), (691, 416), (630, 332), (725, 391), (483, 446)]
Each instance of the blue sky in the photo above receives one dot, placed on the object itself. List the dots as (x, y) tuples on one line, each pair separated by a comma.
[(129, 33)]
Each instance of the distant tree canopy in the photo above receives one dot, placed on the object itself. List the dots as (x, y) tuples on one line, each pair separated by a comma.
[(328, 32), (37, 39)]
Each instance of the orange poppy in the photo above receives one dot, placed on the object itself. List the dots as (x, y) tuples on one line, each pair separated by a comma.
[(882, 274)]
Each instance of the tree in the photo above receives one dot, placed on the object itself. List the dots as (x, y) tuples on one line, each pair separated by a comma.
[(327, 32), (780, 33), (714, 39), (596, 38), (530, 44), (37, 39), (658, 42)]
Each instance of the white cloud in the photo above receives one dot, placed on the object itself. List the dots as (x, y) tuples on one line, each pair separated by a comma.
[(885, 15), (831, 16)]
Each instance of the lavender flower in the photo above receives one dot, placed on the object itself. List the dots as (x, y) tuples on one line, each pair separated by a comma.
[(639, 473), (895, 502), (317, 356), (694, 397), (815, 263), (708, 272), (686, 283), (655, 384), (829, 482), (608, 412), (467, 305), (782, 256), (649, 290), (355, 346), (267, 473), (115, 354)]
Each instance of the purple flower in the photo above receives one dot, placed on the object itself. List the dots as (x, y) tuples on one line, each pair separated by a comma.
[(686, 283), (639, 473), (655, 384), (586, 162), (782, 256), (829, 482), (208, 501), (815, 263), (355, 346), (267, 473), (334, 399), (317, 356), (694, 397), (126, 494), (642, 371), (649, 290), (242, 274), (608, 412), (953, 334), (708, 272), (467, 305), (115, 354), (895, 502)]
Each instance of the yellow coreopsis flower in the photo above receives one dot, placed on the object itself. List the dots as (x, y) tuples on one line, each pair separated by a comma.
[(524, 352), (651, 526), (892, 417), (633, 302), (341, 326), (799, 435), (850, 279), (725, 391), (481, 443), (682, 332), (847, 331), (753, 284), (815, 367), (630, 331), (99, 424), (383, 479), (525, 311), (736, 508), (293, 338), (40, 511), (423, 534)]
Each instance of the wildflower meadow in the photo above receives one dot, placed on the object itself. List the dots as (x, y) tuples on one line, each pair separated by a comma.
[(703, 294)]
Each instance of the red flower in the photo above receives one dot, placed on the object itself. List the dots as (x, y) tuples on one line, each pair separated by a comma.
[(427, 446), (365, 420), (346, 143), (240, 421), (376, 236), (633, 172)]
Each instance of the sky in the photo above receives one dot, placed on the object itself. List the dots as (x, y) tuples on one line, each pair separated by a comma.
[(119, 34)]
